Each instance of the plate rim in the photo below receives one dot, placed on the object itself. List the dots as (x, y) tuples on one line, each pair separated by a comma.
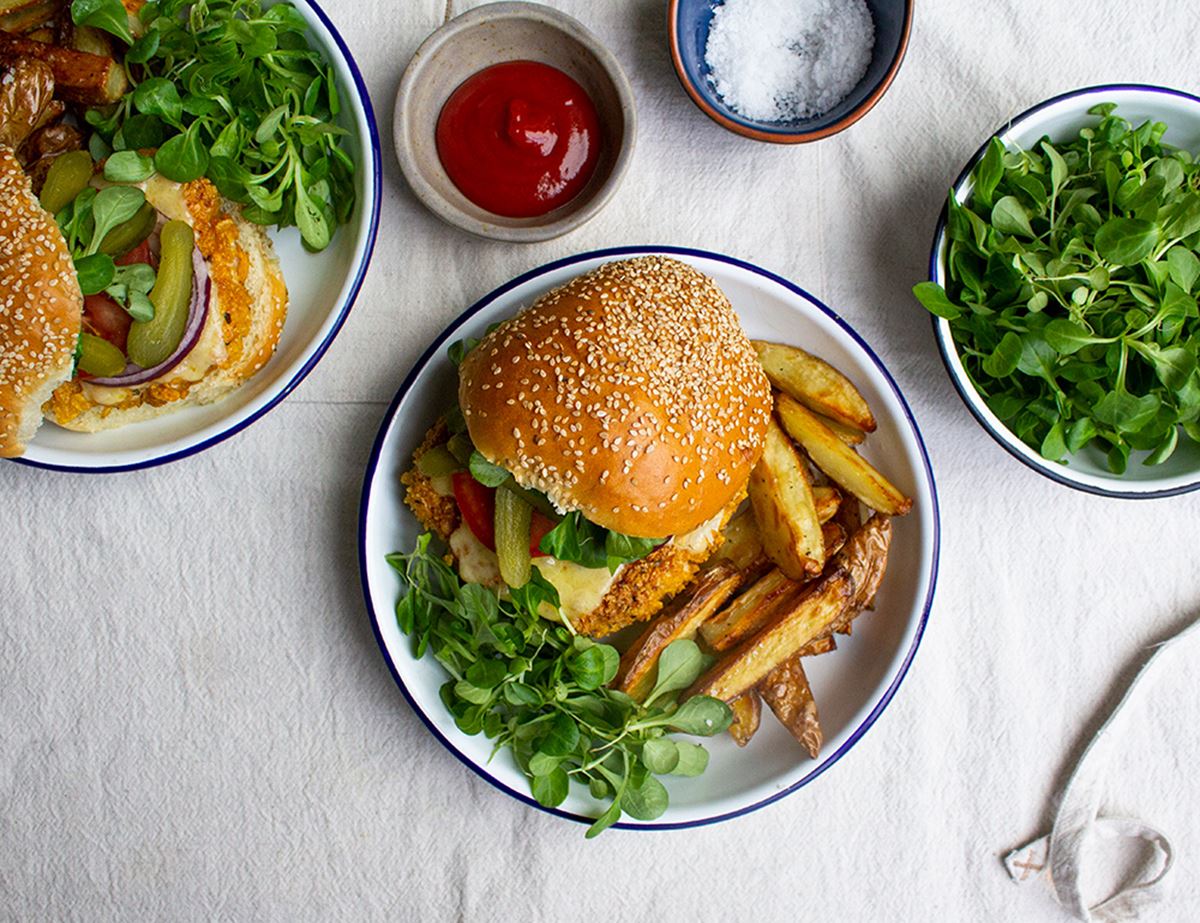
[(375, 184), (389, 420), (941, 327)]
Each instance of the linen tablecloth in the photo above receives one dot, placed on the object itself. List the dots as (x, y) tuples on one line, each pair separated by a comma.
[(196, 723)]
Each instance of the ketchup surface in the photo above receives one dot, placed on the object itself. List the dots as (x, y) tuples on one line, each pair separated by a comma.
[(519, 139)]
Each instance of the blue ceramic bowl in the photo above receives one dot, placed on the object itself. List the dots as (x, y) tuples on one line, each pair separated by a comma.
[(688, 22)]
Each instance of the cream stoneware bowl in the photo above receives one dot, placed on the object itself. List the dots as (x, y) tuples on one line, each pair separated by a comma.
[(492, 34), (1061, 118), (321, 289), (852, 685)]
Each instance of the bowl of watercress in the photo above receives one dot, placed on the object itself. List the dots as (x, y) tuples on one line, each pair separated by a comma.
[(1064, 279), (265, 100)]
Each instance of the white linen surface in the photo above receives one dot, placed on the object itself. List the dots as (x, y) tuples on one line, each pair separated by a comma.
[(197, 723)]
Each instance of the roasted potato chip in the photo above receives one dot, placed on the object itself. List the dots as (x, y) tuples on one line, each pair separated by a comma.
[(788, 695), (681, 619), (782, 498), (838, 460), (747, 712), (743, 545), (815, 383), (790, 628), (78, 76), (749, 611), (827, 500)]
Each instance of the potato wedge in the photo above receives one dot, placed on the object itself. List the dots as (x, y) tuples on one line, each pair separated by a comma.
[(747, 713), (782, 498), (749, 611), (788, 695), (24, 15), (815, 383), (834, 537), (838, 460), (848, 434), (865, 556), (827, 499), (822, 645), (742, 545), (681, 619), (78, 76), (790, 628)]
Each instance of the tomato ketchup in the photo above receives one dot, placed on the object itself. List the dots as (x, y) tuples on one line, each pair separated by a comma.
[(519, 139)]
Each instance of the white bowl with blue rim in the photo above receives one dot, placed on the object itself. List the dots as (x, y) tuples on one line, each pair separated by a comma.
[(852, 686), (321, 290), (1060, 118)]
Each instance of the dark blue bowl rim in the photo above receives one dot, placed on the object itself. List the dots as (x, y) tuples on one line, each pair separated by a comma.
[(961, 387), (436, 346), (726, 117), (376, 181)]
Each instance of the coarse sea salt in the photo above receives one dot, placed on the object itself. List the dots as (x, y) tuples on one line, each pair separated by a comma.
[(786, 60)]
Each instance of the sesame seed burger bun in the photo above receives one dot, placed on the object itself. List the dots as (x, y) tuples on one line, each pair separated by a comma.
[(630, 394), (40, 307)]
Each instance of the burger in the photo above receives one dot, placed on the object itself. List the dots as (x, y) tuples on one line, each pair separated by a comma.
[(120, 302), (602, 439)]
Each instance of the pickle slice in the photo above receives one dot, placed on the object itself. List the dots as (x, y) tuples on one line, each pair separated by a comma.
[(99, 357), (151, 342), (124, 237), (438, 461), (513, 517), (67, 177)]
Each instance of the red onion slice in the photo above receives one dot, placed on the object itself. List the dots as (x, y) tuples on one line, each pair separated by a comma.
[(197, 314)]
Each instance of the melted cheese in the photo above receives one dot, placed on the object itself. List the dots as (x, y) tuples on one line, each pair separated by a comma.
[(580, 589), (476, 562)]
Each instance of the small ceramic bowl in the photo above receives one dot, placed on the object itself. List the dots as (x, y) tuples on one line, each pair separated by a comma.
[(1061, 118), (688, 22), (492, 34)]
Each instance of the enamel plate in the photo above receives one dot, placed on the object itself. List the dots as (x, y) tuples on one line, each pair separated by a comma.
[(852, 685), (321, 289)]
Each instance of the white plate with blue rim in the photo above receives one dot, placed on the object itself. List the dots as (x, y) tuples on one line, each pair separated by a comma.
[(321, 290), (852, 686)]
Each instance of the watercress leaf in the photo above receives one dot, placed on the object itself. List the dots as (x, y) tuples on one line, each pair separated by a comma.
[(595, 667), (551, 789), (472, 693), (139, 306), (1003, 360), (113, 205), (314, 229), (605, 820), (1183, 266), (521, 694), (1066, 337), (1118, 458), (107, 15), (1011, 217), (1126, 241), (487, 674), (485, 472), (1125, 412), (144, 48), (701, 715), (143, 132), (693, 759), (1037, 356), (1173, 365), (1054, 444), (660, 755), (989, 172), (645, 801), (563, 736), (621, 549), (1080, 433), (1058, 167), (128, 167), (542, 764), (678, 667), (270, 123), (182, 158), (95, 272), (933, 297), (159, 97), (286, 17)]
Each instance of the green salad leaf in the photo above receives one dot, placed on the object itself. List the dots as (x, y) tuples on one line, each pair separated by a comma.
[(1072, 290), (577, 539), (231, 90), (533, 687)]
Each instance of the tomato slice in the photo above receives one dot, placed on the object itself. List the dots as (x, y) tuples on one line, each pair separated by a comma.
[(139, 254), (477, 505), (104, 318), (538, 528)]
